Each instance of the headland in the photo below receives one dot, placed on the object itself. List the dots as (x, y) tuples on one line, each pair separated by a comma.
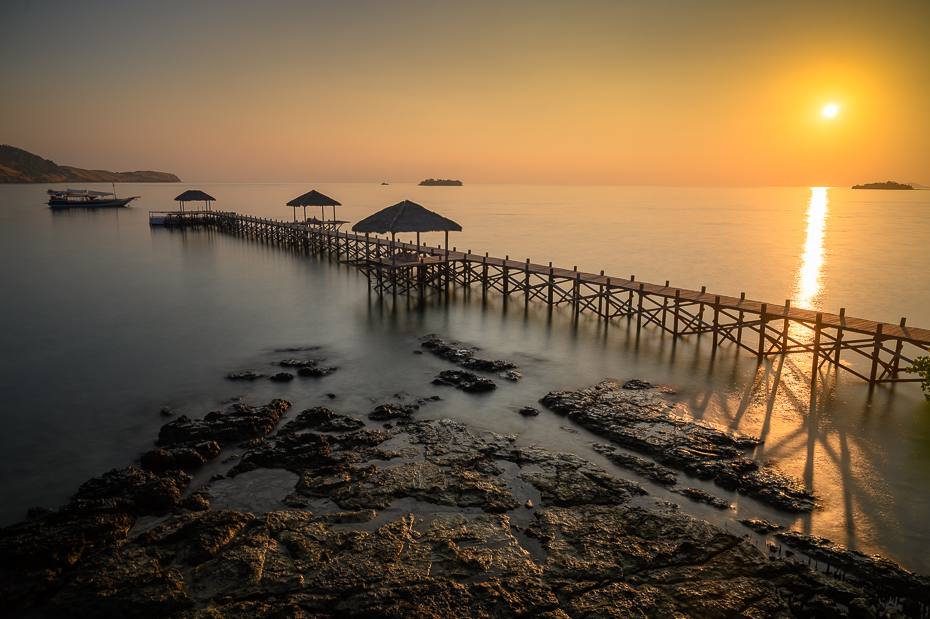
[(20, 166)]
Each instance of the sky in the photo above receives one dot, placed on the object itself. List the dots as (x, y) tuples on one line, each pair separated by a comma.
[(627, 92)]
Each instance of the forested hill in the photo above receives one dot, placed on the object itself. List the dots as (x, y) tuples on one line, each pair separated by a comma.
[(20, 166)]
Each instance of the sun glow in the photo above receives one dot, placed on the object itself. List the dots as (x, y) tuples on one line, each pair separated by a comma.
[(809, 278), (831, 110)]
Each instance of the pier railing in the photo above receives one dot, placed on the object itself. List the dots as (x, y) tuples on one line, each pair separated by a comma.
[(762, 329)]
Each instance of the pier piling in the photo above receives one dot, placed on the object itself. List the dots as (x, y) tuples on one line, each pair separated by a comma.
[(388, 267)]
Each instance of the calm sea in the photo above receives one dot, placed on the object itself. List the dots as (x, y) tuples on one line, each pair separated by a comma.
[(106, 321)]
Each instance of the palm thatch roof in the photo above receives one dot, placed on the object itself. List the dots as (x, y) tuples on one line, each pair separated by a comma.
[(313, 198), (406, 216), (195, 195)]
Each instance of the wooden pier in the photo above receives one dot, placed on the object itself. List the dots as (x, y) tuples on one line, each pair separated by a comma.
[(762, 329)]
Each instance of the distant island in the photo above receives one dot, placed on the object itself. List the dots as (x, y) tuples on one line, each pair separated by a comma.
[(20, 166), (885, 185), (441, 182)]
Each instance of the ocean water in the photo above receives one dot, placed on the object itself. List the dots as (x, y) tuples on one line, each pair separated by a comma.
[(106, 321)]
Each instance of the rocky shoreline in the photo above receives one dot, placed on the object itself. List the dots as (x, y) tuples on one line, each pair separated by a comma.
[(398, 515), (642, 420)]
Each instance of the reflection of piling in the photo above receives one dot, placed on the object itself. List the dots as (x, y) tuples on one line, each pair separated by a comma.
[(404, 267)]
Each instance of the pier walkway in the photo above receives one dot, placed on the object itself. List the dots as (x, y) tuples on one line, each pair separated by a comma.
[(762, 329)]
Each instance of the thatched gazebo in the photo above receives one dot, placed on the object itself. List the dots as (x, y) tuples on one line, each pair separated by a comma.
[(314, 198), (406, 216), (195, 195)]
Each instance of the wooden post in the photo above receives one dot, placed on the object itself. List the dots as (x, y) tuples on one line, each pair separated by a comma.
[(664, 308), (607, 301), (677, 302), (739, 323), (526, 282), (815, 361), (784, 332), (876, 349), (639, 308), (551, 284), (839, 337), (897, 352), (577, 293), (484, 273), (506, 277), (716, 320), (762, 328), (700, 317)]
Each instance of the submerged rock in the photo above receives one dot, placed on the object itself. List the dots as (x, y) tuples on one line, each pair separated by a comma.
[(642, 420), (873, 573), (466, 381), (180, 456), (282, 377), (241, 423), (393, 411), (655, 472), (486, 365), (321, 419), (149, 492), (244, 376), (450, 352), (298, 363), (703, 496), (465, 357), (314, 370), (197, 502), (760, 526)]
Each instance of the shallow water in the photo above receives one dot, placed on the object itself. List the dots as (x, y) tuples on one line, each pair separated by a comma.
[(107, 321)]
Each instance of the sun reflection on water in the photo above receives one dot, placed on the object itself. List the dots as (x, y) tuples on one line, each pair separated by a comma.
[(808, 284)]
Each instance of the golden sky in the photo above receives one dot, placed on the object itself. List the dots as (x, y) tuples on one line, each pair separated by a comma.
[(633, 92)]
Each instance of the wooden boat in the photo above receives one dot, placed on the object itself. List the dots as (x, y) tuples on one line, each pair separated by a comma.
[(84, 198)]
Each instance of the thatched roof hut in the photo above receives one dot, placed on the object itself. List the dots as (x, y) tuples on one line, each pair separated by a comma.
[(407, 216), (195, 195), (313, 198)]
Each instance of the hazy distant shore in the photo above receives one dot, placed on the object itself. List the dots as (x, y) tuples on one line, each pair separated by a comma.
[(20, 166)]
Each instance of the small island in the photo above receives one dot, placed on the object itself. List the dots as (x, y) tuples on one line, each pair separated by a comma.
[(441, 182), (885, 185)]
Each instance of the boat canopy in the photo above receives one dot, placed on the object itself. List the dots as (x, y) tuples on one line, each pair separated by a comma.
[(78, 192)]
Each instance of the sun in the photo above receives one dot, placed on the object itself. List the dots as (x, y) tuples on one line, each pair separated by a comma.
[(831, 110)]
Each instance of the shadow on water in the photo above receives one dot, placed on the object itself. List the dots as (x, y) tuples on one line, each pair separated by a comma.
[(116, 320), (828, 438)]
